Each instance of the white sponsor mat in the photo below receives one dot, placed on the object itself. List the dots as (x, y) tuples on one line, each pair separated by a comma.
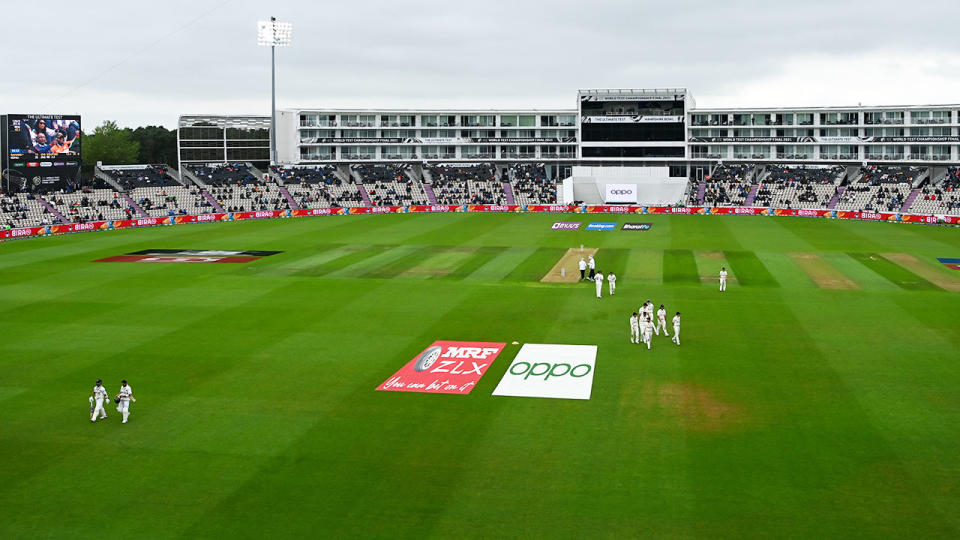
[(550, 371)]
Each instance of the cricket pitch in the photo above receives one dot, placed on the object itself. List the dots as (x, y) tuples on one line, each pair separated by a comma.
[(568, 263)]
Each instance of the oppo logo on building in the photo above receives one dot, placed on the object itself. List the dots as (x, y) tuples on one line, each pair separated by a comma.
[(621, 191), (550, 371)]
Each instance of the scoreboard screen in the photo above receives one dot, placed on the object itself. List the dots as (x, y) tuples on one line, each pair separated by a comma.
[(34, 139)]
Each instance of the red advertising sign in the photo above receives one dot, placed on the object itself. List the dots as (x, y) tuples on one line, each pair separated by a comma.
[(614, 209), (319, 212), (22, 233), (240, 216), (738, 210), (494, 208), (376, 210), (445, 367), (551, 208), (435, 208)]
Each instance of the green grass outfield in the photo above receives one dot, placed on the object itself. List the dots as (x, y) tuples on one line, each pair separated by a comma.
[(791, 410)]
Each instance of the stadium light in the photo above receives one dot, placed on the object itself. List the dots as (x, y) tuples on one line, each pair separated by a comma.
[(273, 34)]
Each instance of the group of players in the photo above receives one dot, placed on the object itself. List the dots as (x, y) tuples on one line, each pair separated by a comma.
[(99, 395), (642, 326)]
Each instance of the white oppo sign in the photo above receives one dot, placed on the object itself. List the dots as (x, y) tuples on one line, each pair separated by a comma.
[(620, 193), (550, 371)]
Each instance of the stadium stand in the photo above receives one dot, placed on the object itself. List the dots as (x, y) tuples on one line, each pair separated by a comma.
[(531, 185), (248, 196), (475, 184), (141, 176), (942, 198), (171, 200), (307, 175), (91, 205), (225, 174)]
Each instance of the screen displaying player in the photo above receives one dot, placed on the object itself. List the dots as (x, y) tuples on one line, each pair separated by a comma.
[(43, 137)]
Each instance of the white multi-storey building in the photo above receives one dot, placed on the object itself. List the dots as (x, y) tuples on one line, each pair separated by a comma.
[(649, 127)]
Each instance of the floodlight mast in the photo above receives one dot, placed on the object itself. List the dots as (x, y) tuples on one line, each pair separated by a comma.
[(273, 34)]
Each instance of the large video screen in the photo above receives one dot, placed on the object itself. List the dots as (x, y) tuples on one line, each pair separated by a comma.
[(36, 139)]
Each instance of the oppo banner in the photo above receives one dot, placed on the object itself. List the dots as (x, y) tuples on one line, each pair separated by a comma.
[(620, 193)]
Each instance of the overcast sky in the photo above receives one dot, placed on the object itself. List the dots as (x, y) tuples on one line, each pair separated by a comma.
[(143, 63)]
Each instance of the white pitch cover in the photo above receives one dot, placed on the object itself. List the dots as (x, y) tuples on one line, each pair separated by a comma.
[(620, 193), (550, 371)]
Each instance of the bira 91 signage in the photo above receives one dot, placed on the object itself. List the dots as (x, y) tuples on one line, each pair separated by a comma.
[(445, 367)]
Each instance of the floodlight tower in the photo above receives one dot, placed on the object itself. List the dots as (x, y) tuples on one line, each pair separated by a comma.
[(273, 34)]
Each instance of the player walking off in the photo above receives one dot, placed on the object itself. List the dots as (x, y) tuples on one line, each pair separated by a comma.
[(98, 396), (593, 266), (583, 269), (723, 279), (661, 321), (646, 327), (598, 278), (125, 396), (635, 328), (612, 282), (676, 329)]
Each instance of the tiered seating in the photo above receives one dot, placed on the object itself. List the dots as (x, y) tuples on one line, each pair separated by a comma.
[(23, 210), (396, 193), (248, 197), (531, 185), (856, 197), (308, 175), (796, 195), (145, 176), (91, 205), (876, 175), (171, 200), (730, 173), (379, 173), (803, 174), (726, 193), (227, 174), (943, 198), (333, 195), (475, 184)]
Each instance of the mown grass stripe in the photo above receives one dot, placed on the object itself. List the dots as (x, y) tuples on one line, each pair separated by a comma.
[(536, 265), (497, 268), (397, 266), (612, 260), (471, 264), (893, 272), (644, 265), (343, 261), (680, 266), (749, 270)]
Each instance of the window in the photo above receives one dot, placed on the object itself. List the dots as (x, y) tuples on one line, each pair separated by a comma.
[(527, 121)]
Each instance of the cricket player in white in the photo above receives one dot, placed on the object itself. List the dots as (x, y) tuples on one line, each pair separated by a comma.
[(593, 266), (646, 327), (125, 395), (612, 281), (661, 321), (723, 279), (598, 278), (635, 328), (676, 329), (583, 269), (98, 396)]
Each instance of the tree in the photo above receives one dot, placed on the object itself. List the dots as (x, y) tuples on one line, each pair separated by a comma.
[(109, 144), (157, 145)]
